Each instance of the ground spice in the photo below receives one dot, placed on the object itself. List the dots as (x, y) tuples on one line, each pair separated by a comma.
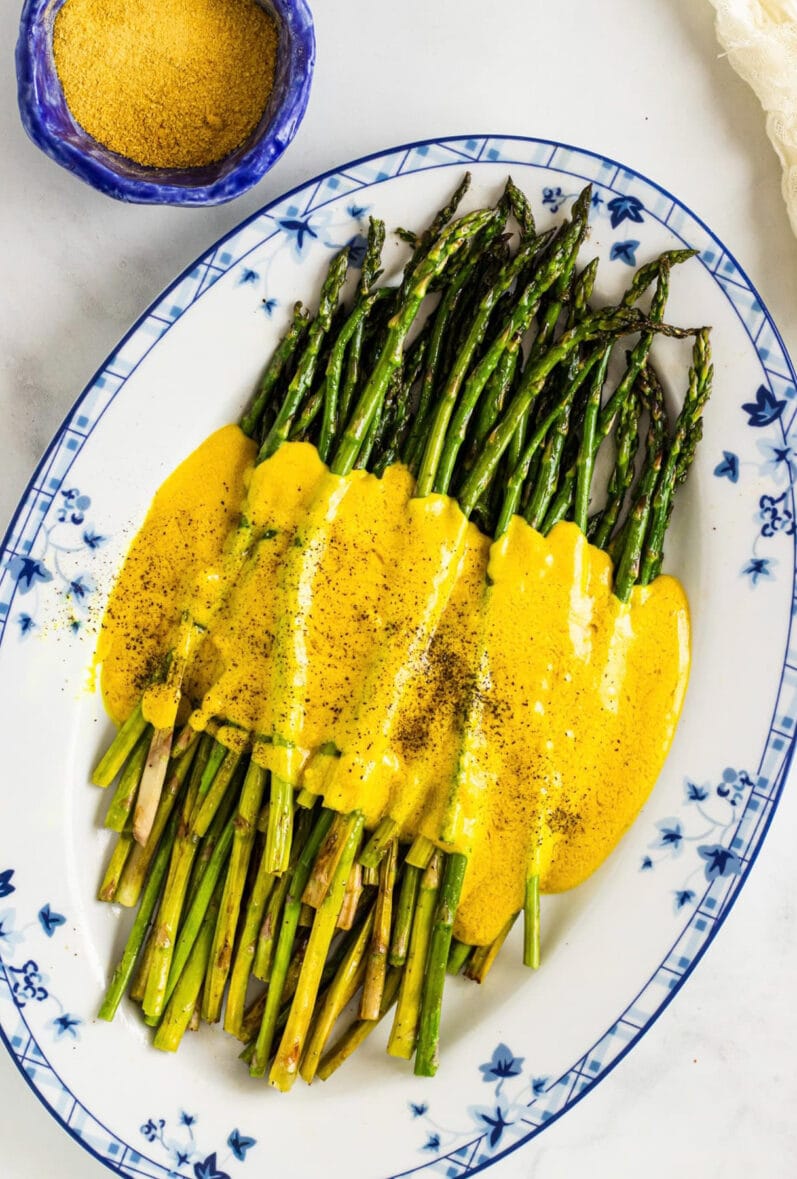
[(166, 83)]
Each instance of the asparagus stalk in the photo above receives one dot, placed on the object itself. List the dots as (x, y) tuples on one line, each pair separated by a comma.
[(688, 429), (195, 916), (405, 911), (138, 862), (531, 925), (180, 1013), (368, 276), (450, 240), (458, 956), (135, 940), (342, 989), (286, 1063), (232, 895), (165, 929), (483, 957), (326, 865), (627, 443), (303, 378), (381, 839), (404, 1033), (376, 971), (279, 833), (423, 242), (284, 948), (120, 748), (121, 807), (359, 1031), (282, 354), (119, 856), (352, 895), (426, 1055), (269, 930)]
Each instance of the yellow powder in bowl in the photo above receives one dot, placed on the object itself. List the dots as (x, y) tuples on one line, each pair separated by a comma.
[(166, 83)]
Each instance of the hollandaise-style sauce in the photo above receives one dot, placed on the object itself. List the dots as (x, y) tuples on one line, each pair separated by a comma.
[(378, 650)]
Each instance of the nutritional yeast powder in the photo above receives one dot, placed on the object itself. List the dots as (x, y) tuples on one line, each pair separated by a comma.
[(166, 83)]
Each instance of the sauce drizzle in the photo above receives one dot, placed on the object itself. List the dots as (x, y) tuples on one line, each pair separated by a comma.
[(378, 650)]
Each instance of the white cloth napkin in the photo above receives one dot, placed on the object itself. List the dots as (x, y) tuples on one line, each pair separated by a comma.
[(760, 37)]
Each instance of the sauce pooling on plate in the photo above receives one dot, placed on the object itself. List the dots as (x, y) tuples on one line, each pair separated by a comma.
[(378, 650)]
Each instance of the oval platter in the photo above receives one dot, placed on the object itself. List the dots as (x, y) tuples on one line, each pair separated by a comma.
[(520, 1051)]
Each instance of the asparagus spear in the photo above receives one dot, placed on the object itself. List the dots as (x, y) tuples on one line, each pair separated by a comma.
[(287, 933), (251, 419), (405, 910), (286, 1063), (450, 240), (179, 1013), (124, 797), (229, 907), (305, 373), (688, 429), (343, 988), (359, 1031), (376, 971), (124, 970), (404, 1033)]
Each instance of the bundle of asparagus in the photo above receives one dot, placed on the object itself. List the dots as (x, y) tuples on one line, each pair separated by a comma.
[(501, 400)]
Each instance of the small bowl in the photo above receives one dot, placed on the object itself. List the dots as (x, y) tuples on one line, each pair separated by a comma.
[(50, 125)]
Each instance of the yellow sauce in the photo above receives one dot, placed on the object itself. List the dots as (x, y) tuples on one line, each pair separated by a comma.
[(379, 651), (184, 535)]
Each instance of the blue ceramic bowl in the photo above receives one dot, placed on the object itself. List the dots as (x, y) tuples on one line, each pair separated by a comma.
[(47, 120)]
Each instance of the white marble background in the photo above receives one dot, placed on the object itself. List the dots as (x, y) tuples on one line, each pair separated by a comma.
[(712, 1088)]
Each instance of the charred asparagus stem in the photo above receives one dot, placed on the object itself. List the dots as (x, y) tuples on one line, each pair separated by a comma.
[(359, 1031), (286, 1063), (376, 971), (344, 986)]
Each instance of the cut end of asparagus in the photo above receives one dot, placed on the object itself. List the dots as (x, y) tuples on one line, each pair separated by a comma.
[(151, 785)]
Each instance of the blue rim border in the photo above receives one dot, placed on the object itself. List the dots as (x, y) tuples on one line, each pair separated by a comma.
[(777, 781)]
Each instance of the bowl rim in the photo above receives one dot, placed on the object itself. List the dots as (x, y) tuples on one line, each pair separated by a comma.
[(257, 159)]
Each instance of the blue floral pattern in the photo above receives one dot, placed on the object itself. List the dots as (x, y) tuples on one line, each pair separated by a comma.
[(178, 1142), (21, 973), (775, 514), (60, 559), (28, 986), (728, 468), (302, 232), (711, 811), (49, 559), (625, 208), (625, 251), (766, 408), (493, 1124)]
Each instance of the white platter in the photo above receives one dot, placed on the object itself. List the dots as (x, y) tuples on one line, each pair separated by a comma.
[(520, 1051)]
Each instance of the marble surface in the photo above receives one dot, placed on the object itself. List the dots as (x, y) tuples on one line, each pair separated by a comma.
[(710, 1090)]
